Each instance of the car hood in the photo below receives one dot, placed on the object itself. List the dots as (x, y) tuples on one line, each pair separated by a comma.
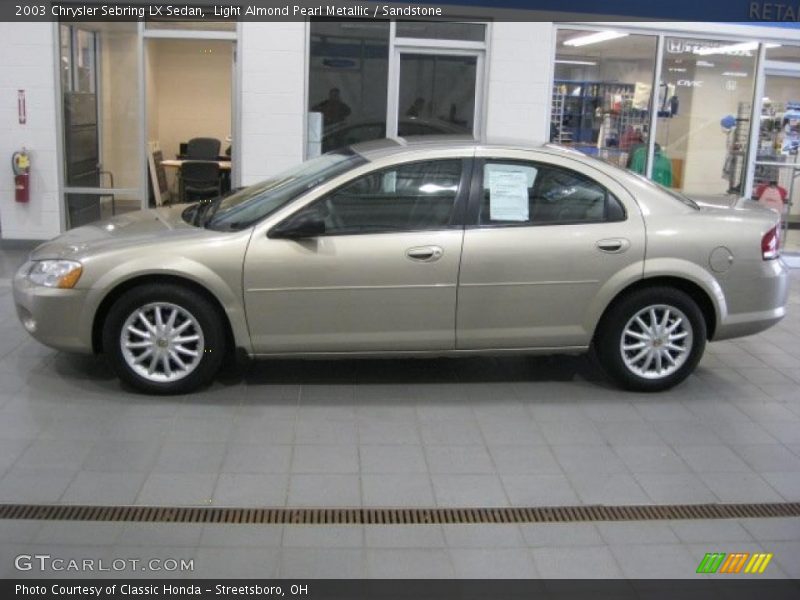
[(130, 229)]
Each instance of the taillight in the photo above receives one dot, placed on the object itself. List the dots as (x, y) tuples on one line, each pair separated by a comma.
[(771, 244)]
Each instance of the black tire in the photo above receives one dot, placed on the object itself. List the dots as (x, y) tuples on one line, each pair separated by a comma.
[(205, 315), (608, 341)]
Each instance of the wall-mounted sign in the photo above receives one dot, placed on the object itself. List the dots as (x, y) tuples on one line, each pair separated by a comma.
[(22, 112)]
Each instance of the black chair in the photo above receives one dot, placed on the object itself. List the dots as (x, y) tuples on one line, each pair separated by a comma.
[(202, 149), (200, 180)]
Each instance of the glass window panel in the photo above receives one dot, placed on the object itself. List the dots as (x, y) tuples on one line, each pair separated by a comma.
[(704, 106), (472, 32), (101, 111), (779, 144), (602, 94), (65, 33), (85, 62), (347, 82), (83, 209), (783, 53), (409, 197), (519, 193), (437, 94)]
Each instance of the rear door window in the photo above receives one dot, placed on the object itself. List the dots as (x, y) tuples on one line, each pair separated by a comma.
[(529, 193)]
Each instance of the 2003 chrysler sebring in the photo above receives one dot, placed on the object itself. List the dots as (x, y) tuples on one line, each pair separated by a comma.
[(394, 248)]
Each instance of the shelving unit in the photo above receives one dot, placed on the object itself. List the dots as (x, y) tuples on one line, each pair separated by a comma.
[(580, 108), (772, 164), (560, 133), (737, 149)]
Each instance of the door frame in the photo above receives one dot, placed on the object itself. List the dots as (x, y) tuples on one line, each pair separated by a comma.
[(236, 85), (141, 190), (63, 189), (408, 46)]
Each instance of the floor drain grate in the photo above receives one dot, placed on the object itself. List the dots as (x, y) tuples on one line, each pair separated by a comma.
[(395, 516)]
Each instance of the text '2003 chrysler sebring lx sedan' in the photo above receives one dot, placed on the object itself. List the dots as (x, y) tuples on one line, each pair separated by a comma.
[(395, 248)]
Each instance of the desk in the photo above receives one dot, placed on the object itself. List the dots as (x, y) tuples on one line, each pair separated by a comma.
[(224, 165)]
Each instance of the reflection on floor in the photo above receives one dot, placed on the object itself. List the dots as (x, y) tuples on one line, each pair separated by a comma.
[(467, 432)]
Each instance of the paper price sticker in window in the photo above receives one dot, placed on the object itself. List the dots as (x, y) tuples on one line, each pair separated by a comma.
[(508, 195)]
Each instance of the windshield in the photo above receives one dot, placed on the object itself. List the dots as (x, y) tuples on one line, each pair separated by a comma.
[(249, 205)]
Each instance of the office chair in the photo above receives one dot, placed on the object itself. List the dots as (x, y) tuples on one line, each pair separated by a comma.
[(200, 180), (202, 149)]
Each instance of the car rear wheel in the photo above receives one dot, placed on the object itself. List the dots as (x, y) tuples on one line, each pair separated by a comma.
[(651, 339), (164, 339)]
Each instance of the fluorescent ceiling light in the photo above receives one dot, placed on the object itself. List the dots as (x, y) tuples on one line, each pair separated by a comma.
[(734, 48), (594, 38), (576, 62)]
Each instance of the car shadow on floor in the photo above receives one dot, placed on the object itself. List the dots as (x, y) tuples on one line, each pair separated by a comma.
[(92, 374)]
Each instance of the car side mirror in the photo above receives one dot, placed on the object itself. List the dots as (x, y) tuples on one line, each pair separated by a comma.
[(305, 226)]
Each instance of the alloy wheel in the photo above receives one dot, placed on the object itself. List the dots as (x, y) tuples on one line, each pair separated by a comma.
[(656, 341), (162, 342)]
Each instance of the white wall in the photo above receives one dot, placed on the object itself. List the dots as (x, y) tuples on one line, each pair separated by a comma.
[(519, 79), (27, 50), (273, 67)]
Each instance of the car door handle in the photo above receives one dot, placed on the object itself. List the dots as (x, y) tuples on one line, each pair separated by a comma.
[(425, 253), (613, 246)]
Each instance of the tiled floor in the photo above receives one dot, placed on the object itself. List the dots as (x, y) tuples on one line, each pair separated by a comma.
[(580, 551), (468, 432)]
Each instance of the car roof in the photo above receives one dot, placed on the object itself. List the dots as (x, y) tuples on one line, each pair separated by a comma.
[(396, 145)]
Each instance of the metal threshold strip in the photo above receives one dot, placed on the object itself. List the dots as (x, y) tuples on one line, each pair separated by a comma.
[(395, 516)]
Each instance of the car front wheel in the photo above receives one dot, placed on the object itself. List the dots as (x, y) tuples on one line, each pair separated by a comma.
[(651, 339), (164, 339)]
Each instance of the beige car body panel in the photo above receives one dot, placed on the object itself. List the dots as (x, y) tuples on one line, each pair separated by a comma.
[(520, 272), (361, 295), (352, 293), (154, 243)]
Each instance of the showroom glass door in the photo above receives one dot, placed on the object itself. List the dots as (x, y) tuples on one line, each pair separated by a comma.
[(776, 181), (435, 92), (705, 101), (101, 120)]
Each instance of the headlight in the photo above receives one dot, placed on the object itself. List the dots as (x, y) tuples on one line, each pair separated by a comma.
[(62, 274)]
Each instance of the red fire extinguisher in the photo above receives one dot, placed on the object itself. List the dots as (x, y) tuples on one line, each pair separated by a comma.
[(21, 165)]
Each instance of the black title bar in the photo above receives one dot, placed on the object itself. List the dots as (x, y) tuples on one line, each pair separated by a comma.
[(412, 589)]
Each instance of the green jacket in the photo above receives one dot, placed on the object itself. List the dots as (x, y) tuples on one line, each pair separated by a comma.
[(662, 166)]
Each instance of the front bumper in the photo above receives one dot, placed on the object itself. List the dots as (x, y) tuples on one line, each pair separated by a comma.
[(52, 316)]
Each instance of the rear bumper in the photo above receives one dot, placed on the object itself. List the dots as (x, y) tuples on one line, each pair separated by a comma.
[(758, 305), (52, 316)]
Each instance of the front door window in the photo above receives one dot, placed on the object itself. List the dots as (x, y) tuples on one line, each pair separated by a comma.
[(410, 197)]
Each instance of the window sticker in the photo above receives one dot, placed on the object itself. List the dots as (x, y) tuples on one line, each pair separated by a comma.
[(508, 192)]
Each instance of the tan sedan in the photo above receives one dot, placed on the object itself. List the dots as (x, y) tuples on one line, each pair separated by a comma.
[(412, 249)]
